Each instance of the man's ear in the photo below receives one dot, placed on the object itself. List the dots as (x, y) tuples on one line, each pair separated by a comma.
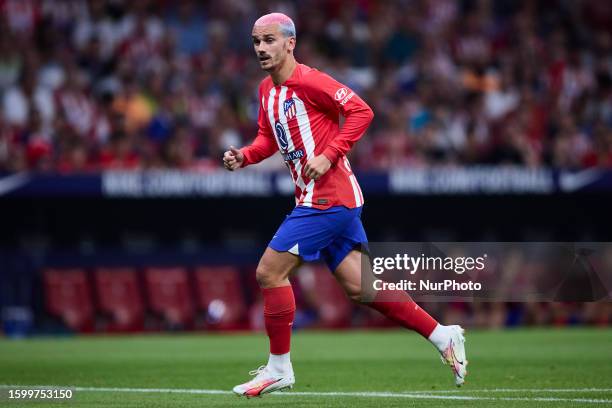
[(290, 44)]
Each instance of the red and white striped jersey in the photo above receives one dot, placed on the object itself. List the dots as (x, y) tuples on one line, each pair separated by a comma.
[(300, 118)]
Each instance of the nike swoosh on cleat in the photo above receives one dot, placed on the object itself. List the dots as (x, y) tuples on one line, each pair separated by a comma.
[(253, 392), (454, 356)]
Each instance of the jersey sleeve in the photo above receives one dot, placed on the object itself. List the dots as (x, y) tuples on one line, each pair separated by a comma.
[(264, 144), (329, 95)]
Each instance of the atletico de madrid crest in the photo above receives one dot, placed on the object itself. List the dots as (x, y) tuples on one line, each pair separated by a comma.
[(289, 108)]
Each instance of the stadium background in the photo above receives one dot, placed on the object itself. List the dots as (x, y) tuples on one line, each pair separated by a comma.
[(113, 112)]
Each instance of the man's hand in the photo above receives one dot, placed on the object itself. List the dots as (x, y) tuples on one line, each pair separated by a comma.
[(317, 167), (233, 158)]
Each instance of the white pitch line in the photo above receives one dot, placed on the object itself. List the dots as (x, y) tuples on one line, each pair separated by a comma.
[(410, 395), (496, 390)]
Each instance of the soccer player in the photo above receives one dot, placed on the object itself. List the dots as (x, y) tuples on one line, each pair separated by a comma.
[(299, 115)]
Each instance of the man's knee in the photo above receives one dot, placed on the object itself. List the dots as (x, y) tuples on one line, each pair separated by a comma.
[(353, 292), (265, 275), (274, 269)]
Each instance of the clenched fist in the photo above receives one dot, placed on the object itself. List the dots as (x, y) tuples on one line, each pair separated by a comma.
[(233, 158), (317, 167)]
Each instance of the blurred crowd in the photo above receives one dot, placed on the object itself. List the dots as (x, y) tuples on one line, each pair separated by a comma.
[(111, 84)]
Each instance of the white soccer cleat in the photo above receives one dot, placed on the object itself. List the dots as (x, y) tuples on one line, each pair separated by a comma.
[(264, 383), (454, 354)]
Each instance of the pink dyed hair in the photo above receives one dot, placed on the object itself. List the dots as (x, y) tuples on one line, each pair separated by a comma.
[(286, 24)]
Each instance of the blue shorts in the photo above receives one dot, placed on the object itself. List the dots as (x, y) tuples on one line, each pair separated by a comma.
[(313, 234)]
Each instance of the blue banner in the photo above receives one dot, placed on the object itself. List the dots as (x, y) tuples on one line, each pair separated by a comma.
[(479, 180)]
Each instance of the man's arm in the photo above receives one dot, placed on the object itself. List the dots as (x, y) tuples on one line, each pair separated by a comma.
[(330, 95), (262, 147)]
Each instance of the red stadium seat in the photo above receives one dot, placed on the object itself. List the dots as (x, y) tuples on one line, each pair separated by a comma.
[(68, 297), (119, 297), (170, 297), (220, 295), (321, 292)]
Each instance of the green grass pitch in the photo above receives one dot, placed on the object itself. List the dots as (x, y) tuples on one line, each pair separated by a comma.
[(513, 368)]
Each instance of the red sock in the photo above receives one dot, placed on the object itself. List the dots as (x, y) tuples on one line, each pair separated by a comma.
[(279, 311), (404, 311)]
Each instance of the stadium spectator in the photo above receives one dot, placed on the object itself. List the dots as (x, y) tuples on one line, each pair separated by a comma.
[(119, 83)]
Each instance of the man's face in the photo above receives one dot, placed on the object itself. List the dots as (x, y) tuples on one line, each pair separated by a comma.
[(271, 46)]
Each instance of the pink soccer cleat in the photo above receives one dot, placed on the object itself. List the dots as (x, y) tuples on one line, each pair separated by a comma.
[(264, 382)]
